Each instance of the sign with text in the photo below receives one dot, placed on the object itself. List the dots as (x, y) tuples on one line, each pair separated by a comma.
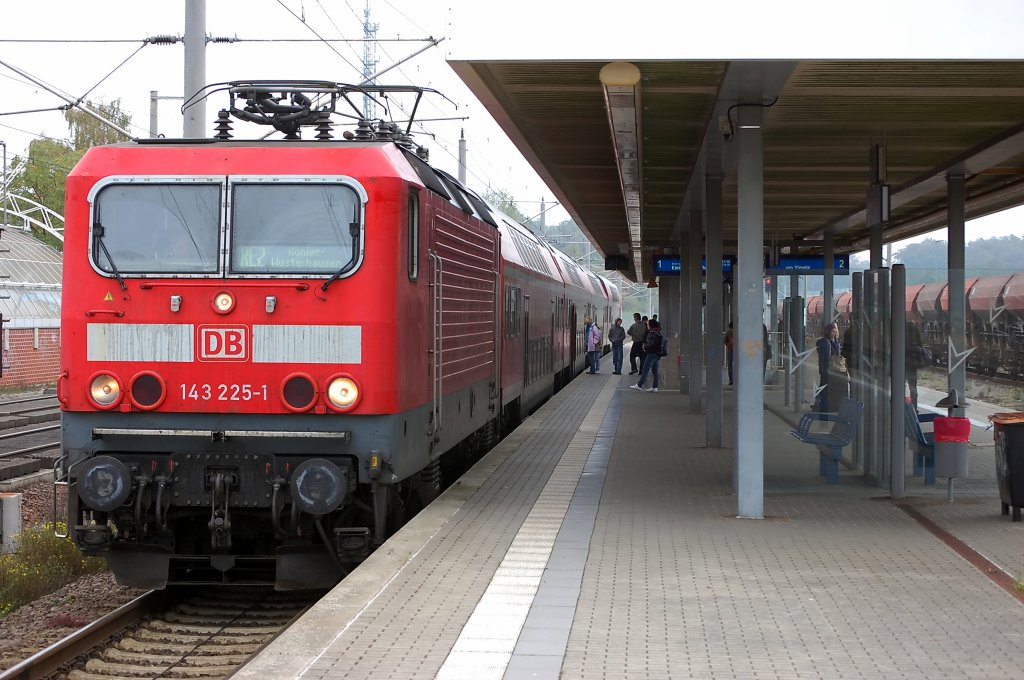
[(810, 264)]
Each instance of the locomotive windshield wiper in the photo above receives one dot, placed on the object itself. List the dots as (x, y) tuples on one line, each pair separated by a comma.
[(97, 231), (353, 230)]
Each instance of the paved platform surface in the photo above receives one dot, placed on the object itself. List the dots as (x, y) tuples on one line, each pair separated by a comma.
[(600, 540)]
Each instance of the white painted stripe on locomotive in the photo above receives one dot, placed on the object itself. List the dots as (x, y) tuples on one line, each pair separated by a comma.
[(307, 344), (271, 344), (140, 342)]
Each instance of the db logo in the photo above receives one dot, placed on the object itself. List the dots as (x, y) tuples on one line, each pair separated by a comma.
[(223, 343)]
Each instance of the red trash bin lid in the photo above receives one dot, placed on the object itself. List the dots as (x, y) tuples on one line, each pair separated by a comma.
[(952, 429)]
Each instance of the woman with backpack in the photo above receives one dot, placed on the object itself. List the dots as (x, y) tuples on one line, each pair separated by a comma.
[(656, 346)]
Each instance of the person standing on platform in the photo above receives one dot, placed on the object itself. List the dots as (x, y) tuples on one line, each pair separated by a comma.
[(766, 351), (916, 358), (654, 345), (616, 336), (730, 341), (636, 332), (643, 341), (828, 347), (586, 339), (594, 341)]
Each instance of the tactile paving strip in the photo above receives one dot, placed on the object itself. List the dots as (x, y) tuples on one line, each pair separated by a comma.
[(486, 644)]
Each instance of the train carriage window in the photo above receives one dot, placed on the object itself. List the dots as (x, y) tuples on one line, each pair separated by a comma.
[(280, 228), (414, 235), (154, 228)]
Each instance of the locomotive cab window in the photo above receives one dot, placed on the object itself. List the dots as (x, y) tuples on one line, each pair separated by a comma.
[(153, 227), (295, 229)]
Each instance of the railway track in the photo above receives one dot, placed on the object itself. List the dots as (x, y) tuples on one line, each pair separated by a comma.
[(29, 440), (175, 633)]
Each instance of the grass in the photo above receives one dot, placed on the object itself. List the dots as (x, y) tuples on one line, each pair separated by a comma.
[(41, 564)]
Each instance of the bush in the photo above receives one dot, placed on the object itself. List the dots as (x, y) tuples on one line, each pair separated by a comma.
[(41, 564)]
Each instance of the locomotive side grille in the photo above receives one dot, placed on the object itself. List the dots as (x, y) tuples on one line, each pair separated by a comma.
[(469, 262)]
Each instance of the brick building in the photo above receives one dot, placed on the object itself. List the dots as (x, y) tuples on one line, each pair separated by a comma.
[(30, 304)]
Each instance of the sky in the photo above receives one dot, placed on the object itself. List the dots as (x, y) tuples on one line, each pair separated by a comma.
[(78, 68), (596, 29)]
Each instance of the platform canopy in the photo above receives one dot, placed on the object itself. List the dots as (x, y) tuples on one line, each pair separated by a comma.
[(625, 141)]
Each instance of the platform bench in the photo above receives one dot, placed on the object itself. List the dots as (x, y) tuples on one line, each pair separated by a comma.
[(831, 444), (923, 442)]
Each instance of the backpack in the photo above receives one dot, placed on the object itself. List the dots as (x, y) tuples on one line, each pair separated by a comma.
[(664, 346)]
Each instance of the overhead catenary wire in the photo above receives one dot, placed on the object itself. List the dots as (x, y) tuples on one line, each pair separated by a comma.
[(444, 143)]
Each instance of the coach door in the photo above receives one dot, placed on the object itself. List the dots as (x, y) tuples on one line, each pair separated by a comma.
[(572, 338), (527, 345)]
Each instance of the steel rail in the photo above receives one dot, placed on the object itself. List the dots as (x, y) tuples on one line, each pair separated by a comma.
[(26, 400), (31, 449), (11, 435), (79, 644)]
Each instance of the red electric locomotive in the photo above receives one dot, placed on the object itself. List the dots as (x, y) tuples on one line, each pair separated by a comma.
[(269, 345)]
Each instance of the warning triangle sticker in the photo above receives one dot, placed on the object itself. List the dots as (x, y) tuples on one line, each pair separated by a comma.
[(108, 297)]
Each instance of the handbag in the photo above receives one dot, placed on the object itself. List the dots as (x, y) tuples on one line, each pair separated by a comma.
[(838, 363), (919, 357)]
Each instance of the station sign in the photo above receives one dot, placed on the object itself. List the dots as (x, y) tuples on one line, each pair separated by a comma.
[(810, 264), (666, 265)]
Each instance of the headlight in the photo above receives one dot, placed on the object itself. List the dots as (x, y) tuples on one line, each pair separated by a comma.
[(343, 393), (104, 391), (104, 483), (223, 302)]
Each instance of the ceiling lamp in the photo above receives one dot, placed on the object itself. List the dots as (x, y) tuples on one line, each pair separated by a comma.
[(622, 100)]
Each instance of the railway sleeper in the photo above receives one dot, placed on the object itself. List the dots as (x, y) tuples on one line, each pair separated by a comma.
[(132, 644)]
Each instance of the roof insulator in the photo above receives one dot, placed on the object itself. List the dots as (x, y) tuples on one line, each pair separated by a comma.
[(385, 131), (323, 125), (364, 130), (223, 125)]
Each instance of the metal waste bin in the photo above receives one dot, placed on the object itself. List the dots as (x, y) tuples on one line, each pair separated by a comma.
[(1009, 439), (952, 435)]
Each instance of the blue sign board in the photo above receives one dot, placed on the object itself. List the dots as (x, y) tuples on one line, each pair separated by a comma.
[(665, 265), (810, 264)]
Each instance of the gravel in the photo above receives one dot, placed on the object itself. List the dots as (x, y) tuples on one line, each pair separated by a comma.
[(39, 624)]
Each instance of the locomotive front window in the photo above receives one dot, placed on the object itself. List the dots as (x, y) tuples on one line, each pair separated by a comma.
[(156, 228), (293, 228)]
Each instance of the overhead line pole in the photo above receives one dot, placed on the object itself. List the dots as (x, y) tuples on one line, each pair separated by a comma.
[(195, 68)]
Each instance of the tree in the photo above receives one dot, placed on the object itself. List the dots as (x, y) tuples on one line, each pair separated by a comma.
[(50, 160), (86, 131), (504, 201)]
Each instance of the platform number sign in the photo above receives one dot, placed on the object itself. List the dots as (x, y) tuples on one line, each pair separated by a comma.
[(223, 343)]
